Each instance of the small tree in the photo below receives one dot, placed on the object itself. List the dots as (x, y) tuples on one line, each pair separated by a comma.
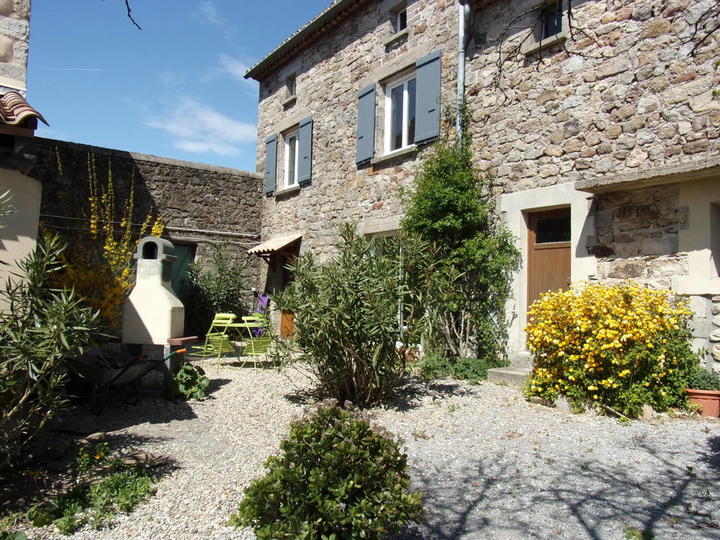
[(454, 209)]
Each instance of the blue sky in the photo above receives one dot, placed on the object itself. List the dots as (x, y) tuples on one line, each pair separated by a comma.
[(174, 89)]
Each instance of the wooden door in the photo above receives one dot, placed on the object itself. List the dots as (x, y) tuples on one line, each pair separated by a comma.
[(287, 318), (548, 252)]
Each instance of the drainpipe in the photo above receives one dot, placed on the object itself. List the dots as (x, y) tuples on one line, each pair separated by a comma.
[(463, 39)]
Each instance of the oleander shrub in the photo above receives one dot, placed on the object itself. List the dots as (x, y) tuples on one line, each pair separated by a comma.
[(620, 346), (217, 284), (337, 477), (40, 327), (346, 316)]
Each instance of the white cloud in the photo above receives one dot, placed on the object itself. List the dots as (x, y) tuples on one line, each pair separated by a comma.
[(229, 66), (198, 128), (233, 67), (209, 14)]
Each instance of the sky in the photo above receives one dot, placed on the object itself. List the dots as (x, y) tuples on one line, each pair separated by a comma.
[(173, 89)]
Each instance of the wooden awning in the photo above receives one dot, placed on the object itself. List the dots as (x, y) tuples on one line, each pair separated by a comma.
[(274, 244)]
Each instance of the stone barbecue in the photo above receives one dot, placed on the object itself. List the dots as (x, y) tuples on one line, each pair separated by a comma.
[(153, 314)]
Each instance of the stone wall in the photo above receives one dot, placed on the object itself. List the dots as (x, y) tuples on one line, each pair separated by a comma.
[(620, 96), (329, 75), (637, 235), (201, 204), (14, 36)]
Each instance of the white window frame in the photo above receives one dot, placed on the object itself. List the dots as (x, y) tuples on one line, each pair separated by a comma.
[(287, 139), (398, 20), (389, 87)]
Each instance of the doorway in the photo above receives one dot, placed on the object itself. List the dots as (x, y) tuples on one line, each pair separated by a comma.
[(548, 252)]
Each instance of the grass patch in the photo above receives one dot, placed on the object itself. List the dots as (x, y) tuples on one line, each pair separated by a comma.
[(103, 483)]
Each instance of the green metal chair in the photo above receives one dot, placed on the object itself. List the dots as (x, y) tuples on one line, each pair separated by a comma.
[(258, 345), (217, 340)]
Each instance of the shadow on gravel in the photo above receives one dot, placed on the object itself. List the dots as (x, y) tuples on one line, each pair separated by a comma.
[(49, 459), (711, 456), (572, 499), (409, 395)]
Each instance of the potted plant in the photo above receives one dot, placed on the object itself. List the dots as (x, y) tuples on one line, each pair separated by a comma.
[(704, 391)]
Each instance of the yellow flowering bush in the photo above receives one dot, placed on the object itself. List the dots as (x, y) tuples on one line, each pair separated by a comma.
[(621, 346), (99, 265)]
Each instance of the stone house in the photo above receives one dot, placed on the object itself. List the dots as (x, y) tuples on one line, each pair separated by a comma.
[(599, 121), (18, 120)]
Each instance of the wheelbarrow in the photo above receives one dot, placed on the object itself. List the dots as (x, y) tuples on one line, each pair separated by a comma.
[(103, 369)]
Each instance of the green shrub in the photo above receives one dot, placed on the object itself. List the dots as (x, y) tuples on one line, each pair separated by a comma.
[(41, 328), (621, 346), (470, 369), (190, 382), (464, 298), (217, 285), (702, 379), (346, 317), (337, 477)]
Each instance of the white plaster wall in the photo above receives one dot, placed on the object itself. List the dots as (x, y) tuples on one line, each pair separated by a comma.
[(696, 239), (514, 207), (19, 234)]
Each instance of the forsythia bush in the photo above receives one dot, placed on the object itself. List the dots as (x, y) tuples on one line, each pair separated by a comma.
[(621, 346), (99, 263)]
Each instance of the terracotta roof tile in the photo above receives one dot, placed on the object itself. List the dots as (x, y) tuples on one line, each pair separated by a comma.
[(14, 110)]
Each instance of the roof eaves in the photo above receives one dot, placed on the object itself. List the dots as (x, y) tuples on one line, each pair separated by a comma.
[(304, 35)]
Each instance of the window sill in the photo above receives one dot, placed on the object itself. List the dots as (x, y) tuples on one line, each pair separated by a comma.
[(396, 154), (289, 102), (396, 37), (532, 46), (287, 191)]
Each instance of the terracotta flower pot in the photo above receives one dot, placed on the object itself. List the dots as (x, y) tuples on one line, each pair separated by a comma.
[(708, 400)]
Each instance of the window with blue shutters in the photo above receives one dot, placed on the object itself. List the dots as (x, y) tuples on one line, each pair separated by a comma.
[(410, 107), (270, 164)]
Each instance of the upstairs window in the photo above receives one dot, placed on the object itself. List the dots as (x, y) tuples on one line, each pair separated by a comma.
[(291, 159), (400, 20), (551, 20), (400, 111), (291, 86)]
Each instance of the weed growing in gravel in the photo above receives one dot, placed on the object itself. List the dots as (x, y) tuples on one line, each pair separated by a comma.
[(105, 485)]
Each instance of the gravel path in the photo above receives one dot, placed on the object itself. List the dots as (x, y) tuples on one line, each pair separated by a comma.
[(490, 464)]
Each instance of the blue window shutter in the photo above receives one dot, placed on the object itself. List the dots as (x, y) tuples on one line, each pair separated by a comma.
[(270, 164), (305, 141), (366, 125), (427, 104)]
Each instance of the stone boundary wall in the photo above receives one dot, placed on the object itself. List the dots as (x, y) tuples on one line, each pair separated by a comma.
[(201, 204)]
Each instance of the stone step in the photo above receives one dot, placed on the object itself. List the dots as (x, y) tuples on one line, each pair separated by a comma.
[(521, 359), (513, 375)]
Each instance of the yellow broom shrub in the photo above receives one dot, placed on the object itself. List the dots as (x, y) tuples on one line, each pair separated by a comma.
[(621, 346), (99, 264)]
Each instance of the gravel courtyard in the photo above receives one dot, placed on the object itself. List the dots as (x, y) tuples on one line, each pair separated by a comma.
[(490, 464)]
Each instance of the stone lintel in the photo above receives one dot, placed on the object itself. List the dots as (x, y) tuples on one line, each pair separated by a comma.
[(667, 174)]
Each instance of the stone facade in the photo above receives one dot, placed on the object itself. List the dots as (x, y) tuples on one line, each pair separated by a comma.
[(328, 77), (14, 36), (612, 118), (622, 96), (201, 204)]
